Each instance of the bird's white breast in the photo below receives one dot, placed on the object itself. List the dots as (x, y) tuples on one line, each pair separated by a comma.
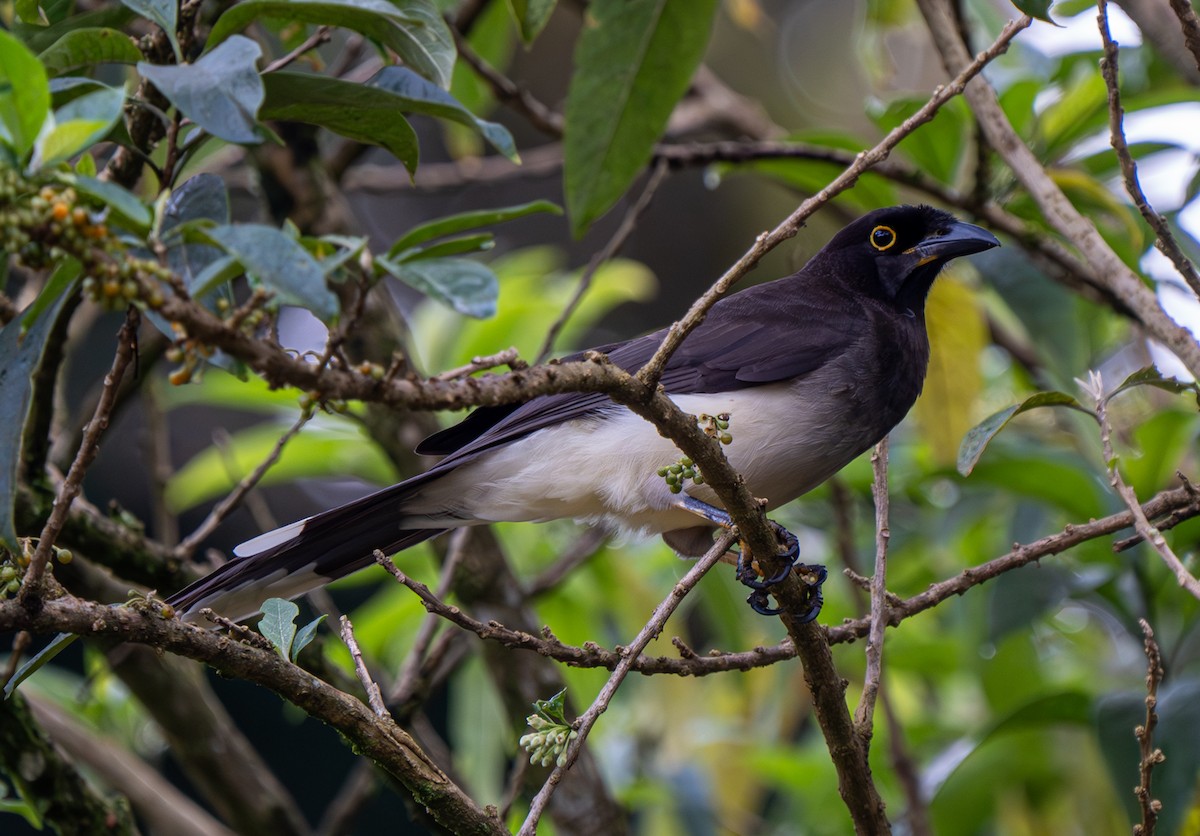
[(604, 467)]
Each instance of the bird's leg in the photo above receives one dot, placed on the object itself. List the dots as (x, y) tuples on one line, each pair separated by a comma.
[(747, 574)]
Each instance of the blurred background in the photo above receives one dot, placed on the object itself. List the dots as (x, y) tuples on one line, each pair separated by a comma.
[(1009, 710)]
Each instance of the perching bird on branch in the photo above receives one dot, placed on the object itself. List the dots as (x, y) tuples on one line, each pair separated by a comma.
[(797, 376)]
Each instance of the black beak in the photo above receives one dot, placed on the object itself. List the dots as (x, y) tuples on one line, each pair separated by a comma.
[(955, 240)]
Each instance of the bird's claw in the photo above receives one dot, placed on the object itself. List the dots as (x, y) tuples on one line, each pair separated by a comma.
[(748, 575), (813, 577)]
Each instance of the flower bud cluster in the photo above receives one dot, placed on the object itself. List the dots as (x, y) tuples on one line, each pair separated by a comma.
[(547, 743)]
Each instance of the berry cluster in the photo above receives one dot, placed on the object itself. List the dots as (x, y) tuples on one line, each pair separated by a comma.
[(13, 566), (675, 475)]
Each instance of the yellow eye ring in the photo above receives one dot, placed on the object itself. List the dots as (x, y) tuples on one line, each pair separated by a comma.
[(883, 237)]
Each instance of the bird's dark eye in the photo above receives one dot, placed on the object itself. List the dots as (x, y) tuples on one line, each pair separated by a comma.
[(882, 237)]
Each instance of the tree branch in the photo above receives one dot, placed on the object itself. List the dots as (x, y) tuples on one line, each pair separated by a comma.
[(1054, 205)]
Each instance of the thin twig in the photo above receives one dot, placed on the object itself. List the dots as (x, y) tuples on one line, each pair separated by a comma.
[(865, 716), (72, 486), (629, 655), (1150, 756), (1141, 522), (1164, 239), (230, 503), (374, 696), (320, 36), (405, 681), (509, 92), (508, 357), (628, 223)]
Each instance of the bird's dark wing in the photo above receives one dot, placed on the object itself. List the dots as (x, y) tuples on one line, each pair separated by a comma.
[(736, 347)]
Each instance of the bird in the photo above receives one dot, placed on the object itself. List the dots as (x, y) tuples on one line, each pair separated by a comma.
[(800, 376)]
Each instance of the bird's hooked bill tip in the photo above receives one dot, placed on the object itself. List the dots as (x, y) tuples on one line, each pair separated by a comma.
[(958, 239)]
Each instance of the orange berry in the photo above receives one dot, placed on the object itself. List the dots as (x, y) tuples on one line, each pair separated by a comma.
[(79, 216), (60, 211)]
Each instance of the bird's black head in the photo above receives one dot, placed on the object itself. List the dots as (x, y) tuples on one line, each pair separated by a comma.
[(896, 253)]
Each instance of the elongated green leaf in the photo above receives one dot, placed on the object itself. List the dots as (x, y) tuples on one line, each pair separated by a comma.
[(280, 264), (121, 202), (21, 350), (466, 286), (353, 110), (413, 28), (460, 245), (1151, 376), (531, 16), (633, 63), (38, 661), (305, 635), (60, 282), (77, 125), (420, 96), (979, 436), (468, 220), (279, 624), (24, 95), (88, 47), (221, 92)]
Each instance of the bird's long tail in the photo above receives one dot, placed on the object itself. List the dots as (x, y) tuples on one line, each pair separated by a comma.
[(297, 558)]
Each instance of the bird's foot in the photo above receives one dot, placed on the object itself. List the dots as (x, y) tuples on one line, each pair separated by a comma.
[(813, 577), (747, 571)]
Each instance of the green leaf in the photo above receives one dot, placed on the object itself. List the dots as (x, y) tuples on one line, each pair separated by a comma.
[(38, 661), (979, 436), (24, 95), (353, 110), (468, 220), (633, 63), (466, 286), (940, 146), (61, 281), (21, 350), (200, 198), (305, 636), (1037, 9), (1151, 376), (420, 96), (88, 47), (77, 125), (164, 14), (221, 92), (461, 245), (531, 16), (279, 624), (553, 708), (30, 11), (280, 263), (120, 201), (413, 28)]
